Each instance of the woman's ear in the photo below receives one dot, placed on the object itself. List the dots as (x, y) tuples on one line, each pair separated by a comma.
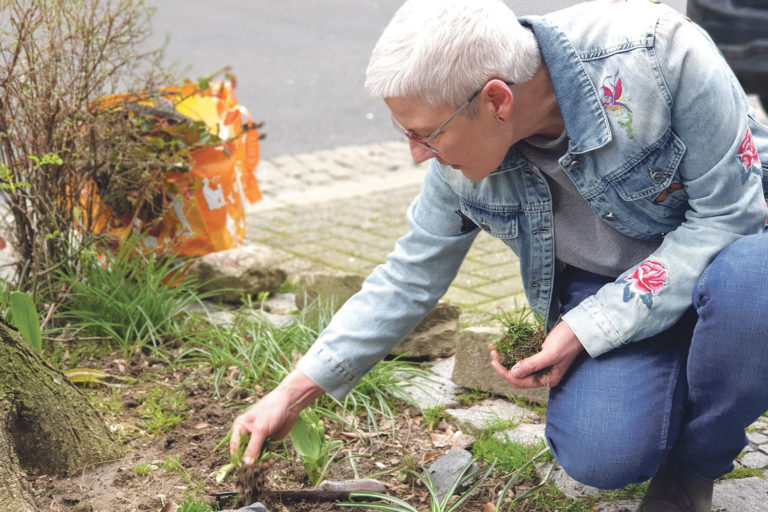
[(499, 99)]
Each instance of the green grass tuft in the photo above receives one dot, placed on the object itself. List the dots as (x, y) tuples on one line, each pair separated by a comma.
[(130, 299)]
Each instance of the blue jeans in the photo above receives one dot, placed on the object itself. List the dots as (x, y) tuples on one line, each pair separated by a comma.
[(684, 395)]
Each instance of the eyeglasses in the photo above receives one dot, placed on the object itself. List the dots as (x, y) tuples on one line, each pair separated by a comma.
[(425, 141)]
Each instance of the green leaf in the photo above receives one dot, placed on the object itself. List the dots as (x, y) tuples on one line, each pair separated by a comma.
[(224, 471), (306, 439), (93, 376), (397, 505), (24, 318)]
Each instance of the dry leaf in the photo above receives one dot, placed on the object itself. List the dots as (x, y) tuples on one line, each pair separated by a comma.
[(429, 456), (171, 506), (360, 435), (455, 440)]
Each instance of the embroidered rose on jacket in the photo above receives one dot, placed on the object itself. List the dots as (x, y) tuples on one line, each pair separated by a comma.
[(614, 101), (749, 157), (646, 281)]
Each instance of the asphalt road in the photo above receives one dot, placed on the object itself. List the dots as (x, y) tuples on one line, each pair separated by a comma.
[(300, 64)]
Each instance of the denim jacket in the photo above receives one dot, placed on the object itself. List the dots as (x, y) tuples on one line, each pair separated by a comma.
[(662, 144)]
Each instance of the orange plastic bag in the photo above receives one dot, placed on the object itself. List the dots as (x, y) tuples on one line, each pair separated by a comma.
[(207, 203)]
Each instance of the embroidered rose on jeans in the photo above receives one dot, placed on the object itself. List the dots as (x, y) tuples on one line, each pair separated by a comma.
[(749, 157), (646, 281)]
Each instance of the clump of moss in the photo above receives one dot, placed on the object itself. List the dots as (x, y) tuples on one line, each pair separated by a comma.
[(522, 338)]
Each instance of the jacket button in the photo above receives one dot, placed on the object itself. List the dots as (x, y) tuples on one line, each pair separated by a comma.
[(485, 226), (574, 165), (657, 176), (609, 217)]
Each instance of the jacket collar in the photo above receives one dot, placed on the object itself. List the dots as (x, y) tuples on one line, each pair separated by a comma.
[(580, 105)]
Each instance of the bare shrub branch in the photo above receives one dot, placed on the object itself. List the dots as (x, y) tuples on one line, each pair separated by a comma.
[(57, 58)]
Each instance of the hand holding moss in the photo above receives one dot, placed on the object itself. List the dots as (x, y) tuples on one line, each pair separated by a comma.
[(559, 350)]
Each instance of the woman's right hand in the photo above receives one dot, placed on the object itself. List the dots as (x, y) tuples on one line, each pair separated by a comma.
[(274, 415)]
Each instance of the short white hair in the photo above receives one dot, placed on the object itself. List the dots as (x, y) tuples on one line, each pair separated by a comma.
[(441, 51)]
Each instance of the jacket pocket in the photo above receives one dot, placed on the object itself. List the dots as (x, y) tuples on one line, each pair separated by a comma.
[(651, 179), (499, 221)]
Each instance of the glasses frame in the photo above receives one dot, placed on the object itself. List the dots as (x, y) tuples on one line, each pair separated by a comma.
[(425, 141)]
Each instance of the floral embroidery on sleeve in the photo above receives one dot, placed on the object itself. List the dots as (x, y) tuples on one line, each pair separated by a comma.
[(614, 100), (749, 157), (646, 281)]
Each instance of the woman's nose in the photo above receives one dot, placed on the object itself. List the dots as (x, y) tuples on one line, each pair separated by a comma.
[(419, 153)]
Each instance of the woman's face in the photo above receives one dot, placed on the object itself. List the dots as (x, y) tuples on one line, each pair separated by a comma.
[(474, 145)]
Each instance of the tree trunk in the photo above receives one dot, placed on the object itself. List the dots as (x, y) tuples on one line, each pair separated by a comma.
[(46, 424)]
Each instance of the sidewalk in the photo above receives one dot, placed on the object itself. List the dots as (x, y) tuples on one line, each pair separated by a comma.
[(344, 208)]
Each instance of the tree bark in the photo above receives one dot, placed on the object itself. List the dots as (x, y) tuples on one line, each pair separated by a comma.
[(46, 424)]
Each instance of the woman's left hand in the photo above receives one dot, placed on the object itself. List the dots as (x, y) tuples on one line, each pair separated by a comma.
[(559, 350)]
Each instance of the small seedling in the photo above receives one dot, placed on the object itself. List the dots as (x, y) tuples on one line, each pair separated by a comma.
[(143, 469), (433, 416), (192, 505), (162, 410), (522, 338), (472, 396), (308, 439)]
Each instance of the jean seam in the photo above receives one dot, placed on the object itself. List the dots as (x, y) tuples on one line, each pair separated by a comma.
[(672, 384)]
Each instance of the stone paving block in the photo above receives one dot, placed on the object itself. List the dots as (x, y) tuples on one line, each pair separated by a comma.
[(298, 238), (472, 265), (507, 304), (529, 434), (433, 391), (756, 460), (330, 289), (393, 232), (443, 368), (485, 243), (342, 261), (306, 249), (477, 418), (435, 336), (740, 495), (353, 248), (617, 506), (447, 469), (567, 485), (503, 256), (294, 266), (503, 288), (465, 298), (500, 272), (468, 281), (363, 237), (281, 304), (757, 438)]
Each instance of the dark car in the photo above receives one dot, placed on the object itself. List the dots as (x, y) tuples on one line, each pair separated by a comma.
[(740, 30)]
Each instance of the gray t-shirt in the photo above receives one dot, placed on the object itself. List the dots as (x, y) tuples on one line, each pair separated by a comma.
[(582, 238)]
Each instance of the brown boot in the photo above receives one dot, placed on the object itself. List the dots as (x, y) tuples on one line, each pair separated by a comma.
[(673, 491)]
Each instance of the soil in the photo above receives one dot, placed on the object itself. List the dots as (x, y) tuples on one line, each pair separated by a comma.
[(186, 462)]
